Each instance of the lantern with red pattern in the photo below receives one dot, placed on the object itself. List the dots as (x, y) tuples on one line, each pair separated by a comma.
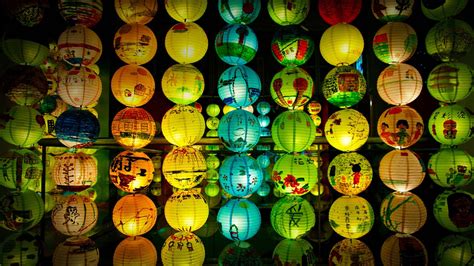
[(340, 11)]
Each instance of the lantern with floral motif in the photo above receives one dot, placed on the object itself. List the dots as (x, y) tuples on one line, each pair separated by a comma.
[(74, 171), (403, 212), (294, 174), (240, 175)]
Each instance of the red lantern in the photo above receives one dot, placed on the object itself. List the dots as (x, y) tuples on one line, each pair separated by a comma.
[(338, 11)]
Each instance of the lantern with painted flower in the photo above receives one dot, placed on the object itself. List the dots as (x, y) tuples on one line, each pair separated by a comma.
[(238, 11), (451, 124), (79, 46), (184, 167), (186, 43), (450, 168), (403, 213), (77, 128), (132, 85), (294, 174), (392, 10), (347, 130), (345, 11), (75, 171), (453, 210), (239, 86), (79, 87), (240, 175), (400, 126), (236, 44), (131, 171), (183, 83), (25, 52), (449, 40), (174, 253), (344, 86), (293, 131), (134, 214), (183, 125), (396, 247), (292, 87), (341, 44), (347, 250), (294, 252), (186, 210), (442, 10), (135, 44), (292, 46), (350, 173), (288, 13), (395, 42), (399, 84), (21, 210), (239, 130), (81, 12), (132, 11), (133, 128), (283, 215), (24, 85), (74, 215), (21, 169), (80, 250), (450, 82), (23, 127), (239, 219), (351, 216), (135, 250), (401, 170)]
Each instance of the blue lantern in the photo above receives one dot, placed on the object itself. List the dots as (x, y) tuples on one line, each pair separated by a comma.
[(263, 108), (239, 86), (239, 130), (240, 175), (239, 219), (236, 44), (77, 128), (238, 11)]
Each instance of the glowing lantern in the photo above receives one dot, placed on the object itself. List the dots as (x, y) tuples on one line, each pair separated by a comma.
[(212, 189), (450, 168), (74, 215), (79, 46), (347, 251), (186, 43), (240, 175), (350, 173), (24, 127), (133, 128), (80, 87), (395, 42), (239, 130), (213, 109), (392, 10), (287, 13), (400, 126), (449, 40), (74, 171), (294, 252), (24, 52), (442, 10), (239, 253), (403, 212), (239, 86), (295, 174), (135, 44), (293, 131), (87, 13), (264, 190), (292, 46), (450, 82), (451, 124), (24, 85), (283, 219), (28, 12), (453, 210), (344, 86), (135, 251), (292, 87), (134, 214), (186, 10), (351, 216), (133, 85), (78, 251), (399, 84), (183, 83), (454, 250), (140, 12), (186, 210), (131, 171), (401, 170), (236, 44), (21, 169), (184, 167), (20, 249), (345, 11), (174, 253), (347, 130), (239, 219), (77, 128), (238, 11), (183, 125), (396, 248), (21, 210), (341, 44)]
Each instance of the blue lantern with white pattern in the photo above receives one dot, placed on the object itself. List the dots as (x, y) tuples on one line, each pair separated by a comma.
[(236, 44), (239, 219), (240, 175), (77, 128), (239, 130), (239, 86)]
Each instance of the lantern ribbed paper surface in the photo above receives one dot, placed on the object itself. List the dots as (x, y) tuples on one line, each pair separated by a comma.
[(183, 125), (442, 10), (186, 10), (135, 44), (132, 11), (186, 43), (350, 173), (341, 44), (239, 130), (399, 84), (186, 210), (333, 12), (74, 215), (173, 252), (183, 83), (79, 46), (403, 212), (133, 128), (134, 214), (74, 171), (346, 251), (347, 130), (135, 250), (453, 210), (79, 87), (400, 126), (450, 168), (292, 46), (27, 13), (184, 167), (450, 82), (20, 249), (24, 85), (133, 85), (292, 87), (23, 128), (293, 131), (21, 211), (294, 252), (351, 216), (284, 213), (77, 128), (396, 247), (240, 175), (239, 86), (236, 44), (451, 124), (454, 250), (294, 174), (81, 12), (239, 219), (21, 169), (131, 171), (401, 170), (25, 52), (238, 11), (76, 251), (287, 13), (392, 10), (395, 42), (344, 86)]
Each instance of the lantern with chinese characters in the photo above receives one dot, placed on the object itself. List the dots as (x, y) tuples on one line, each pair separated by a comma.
[(351, 216), (131, 171), (451, 124), (81, 250), (183, 248), (21, 211), (449, 40), (24, 85), (350, 173), (74, 171), (239, 219), (294, 252), (442, 10), (238, 11), (294, 174), (401, 170), (240, 175), (284, 213), (453, 210), (79, 46), (396, 247), (134, 214), (239, 130), (450, 82), (403, 213), (20, 249), (292, 46), (135, 44), (79, 87), (28, 13), (81, 12), (293, 131), (135, 250), (346, 251), (341, 44), (186, 210), (345, 11), (236, 44), (182, 83), (344, 86), (186, 43), (450, 168), (395, 42), (184, 167), (454, 250), (399, 84), (239, 86), (133, 128), (25, 52), (292, 87), (186, 10), (74, 215), (400, 126), (133, 85), (287, 13), (183, 125), (77, 128), (392, 10), (347, 130), (21, 169), (132, 11), (23, 126)]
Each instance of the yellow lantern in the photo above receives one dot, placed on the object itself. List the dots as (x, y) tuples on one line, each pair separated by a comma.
[(350, 173), (183, 125), (75, 171), (184, 167), (399, 84), (134, 214), (20, 169), (403, 212), (186, 43), (132, 11), (131, 171), (20, 211), (24, 127), (347, 130), (186, 210), (396, 247), (341, 44), (135, 44), (287, 13), (74, 215), (400, 126), (79, 87), (132, 85), (351, 216), (395, 42), (76, 251), (80, 46), (186, 10), (135, 251), (401, 170), (348, 251), (182, 83), (25, 52), (133, 128), (183, 248)]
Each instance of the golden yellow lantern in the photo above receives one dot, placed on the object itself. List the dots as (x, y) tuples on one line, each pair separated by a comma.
[(25, 52), (395, 42), (183, 248), (74, 215), (133, 128), (76, 251), (347, 130), (396, 247), (183, 125), (75, 171), (132, 11), (131, 171), (400, 126), (182, 83), (346, 251), (134, 214), (341, 44), (184, 167), (351, 216), (186, 43), (403, 212), (399, 84), (80, 46), (135, 44), (135, 251), (401, 170), (132, 85), (350, 173), (186, 10), (186, 210)]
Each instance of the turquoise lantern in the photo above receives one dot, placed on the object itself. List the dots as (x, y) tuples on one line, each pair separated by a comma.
[(292, 46), (236, 44), (240, 175), (263, 108), (239, 86), (238, 11), (239, 219), (239, 130), (77, 128)]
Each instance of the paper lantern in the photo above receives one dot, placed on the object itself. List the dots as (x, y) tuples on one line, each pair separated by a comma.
[(186, 43), (450, 82), (213, 109), (141, 12), (240, 175), (294, 174), (133, 85), (183, 83), (264, 190), (82, 12), (236, 44), (186, 210), (77, 128), (442, 10), (400, 126), (348, 251), (24, 52), (79, 46), (351, 216), (403, 249), (135, 250), (183, 125), (341, 44), (451, 124), (184, 167), (77, 251), (294, 252), (345, 11), (238, 11), (79, 87), (350, 173), (133, 128), (24, 85), (292, 46), (449, 40), (403, 212), (74, 215), (239, 219), (75, 171), (399, 84), (263, 107), (450, 168), (453, 210), (392, 10), (131, 171), (134, 214), (174, 253), (401, 170), (239, 130), (20, 249), (292, 217), (23, 126), (347, 130), (21, 211), (239, 86), (186, 10), (239, 253), (293, 131), (395, 42), (135, 44), (212, 189), (344, 86), (28, 13), (21, 168), (287, 13), (454, 250), (292, 87)]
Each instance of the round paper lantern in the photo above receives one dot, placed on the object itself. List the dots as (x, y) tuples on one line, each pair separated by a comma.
[(22, 127), (135, 250), (133, 85), (186, 210), (236, 44), (20, 249), (292, 46), (401, 170), (77, 128), (294, 252), (184, 167), (21, 211), (186, 10), (399, 84), (87, 13), (239, 130), (403, 212), (449, 40), (453, 210), (183, 125), (239, 86), (238, 11), (454, 250), (348, 251), (292, 87), (403, 249), (77, 251), (79, 87), (21, 169), (294, 174), (264, 190), (75, 171), (74, 215), (240, 175), (284, 13), (79, 46), (450, 82), (344, 86), (450, 168), (133, 128), (213, 109), (347, 130), (263, 108), (186, 43), (400, 126), (174, 253), (24, 85), (293, 131), (392, 10), (239, 253), (341, 44), (134, 214), (351, 216), (395, 42), (443, 9), (239, 219), (183, 83), (333, 12), (350, 173), (131, 171), (25, 52), (292, 217), (212, 189), (135, 44), (131, 11), (451, 124), (28, 12)]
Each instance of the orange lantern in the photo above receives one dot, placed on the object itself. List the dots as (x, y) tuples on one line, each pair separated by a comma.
[(75, 171), (132, 11), (135, 250), (400, 126), (133, 128), (132, 85), (134, 214), (76, 251), (135, 44), (401, 170), (131, 171)]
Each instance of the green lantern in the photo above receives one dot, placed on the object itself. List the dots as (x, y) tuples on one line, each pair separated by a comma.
[(450, 82), (449, 40), (286, 13), (453, 210), (294, 174), (24, 127), (292, 87), (293, 131), (20, 249), (213, 110), (20, 168), (292, 46), (294, 252), (292, 217), (350, 173), (25, 52), (439, 10), (450, 167), (344, 86), (451, 124), (21, 210), (454, 250)]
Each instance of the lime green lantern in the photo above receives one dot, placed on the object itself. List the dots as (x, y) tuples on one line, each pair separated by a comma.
[(21, 169), (286, 13), (454, 250), (292, 217), (450, 82), (292, 46), (449, 40), (294, 252), (293, 131), (450, 167), (443, 9), (24, 127), (183, 83), (25, 52), (21, 211), (451, 124), (346, 251), (351, 216), (344, 86), (294, 174), (347, 130), (292, 87), (453, 210), (403, 212), (350, 173)]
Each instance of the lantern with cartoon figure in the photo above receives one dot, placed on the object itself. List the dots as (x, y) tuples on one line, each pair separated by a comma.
[(400, 126), (451, 124), (350, 173)]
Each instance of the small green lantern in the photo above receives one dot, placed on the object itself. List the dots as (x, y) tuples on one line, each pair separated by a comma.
[(24, 126), (292, 46), (344, 86), (294, 252), (439, 10), (20, 249), (451, 124), (284, 213), (293, 131), (450, 82), (286, 13), (453, 210), (450, 167)]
